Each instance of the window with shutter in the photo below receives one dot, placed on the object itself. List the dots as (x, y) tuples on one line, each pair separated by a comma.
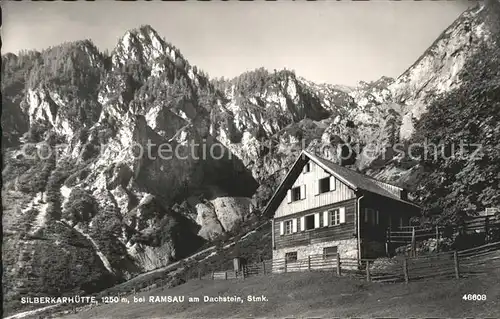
[(324, 185), (334, 217), (308, 222), (296, 193), (288, 227), (307, 168)]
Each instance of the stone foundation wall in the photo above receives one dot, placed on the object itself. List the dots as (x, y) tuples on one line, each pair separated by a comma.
[(347, 248)]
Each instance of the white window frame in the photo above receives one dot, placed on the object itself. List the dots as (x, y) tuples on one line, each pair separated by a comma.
[(288, 230), (329, 185), (334, 217), (332, 185), (302, 193), (303, 227)]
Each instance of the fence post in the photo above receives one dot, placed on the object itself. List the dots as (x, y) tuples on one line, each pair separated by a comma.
[(405, 269), (309, 263), (437, 238), (388, 241), (285, 264), (338, 264), (213, 275), (486, 228), (225, 275), (199, 273), (413, 243), (264, 267), (368, 271), (457, 267)]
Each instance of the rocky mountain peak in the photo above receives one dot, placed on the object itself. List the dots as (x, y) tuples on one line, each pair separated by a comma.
[(142, 45), (60, 85), (145, 46)]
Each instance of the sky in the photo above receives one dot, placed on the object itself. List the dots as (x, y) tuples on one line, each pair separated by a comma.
[(337, 42)]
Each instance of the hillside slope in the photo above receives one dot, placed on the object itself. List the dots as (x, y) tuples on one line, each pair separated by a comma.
[(315, 295)]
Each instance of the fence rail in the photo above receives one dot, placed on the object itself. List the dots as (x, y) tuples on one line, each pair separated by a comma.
[(378, 269), (480, 224), (453, 264), (408, 234), (411, 234)]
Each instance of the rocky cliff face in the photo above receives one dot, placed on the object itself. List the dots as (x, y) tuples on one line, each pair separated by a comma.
[(437, 70), (93, 201), (92, 193)]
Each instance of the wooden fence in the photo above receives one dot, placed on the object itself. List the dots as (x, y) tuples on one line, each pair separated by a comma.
[(262, 268), (453, 264), (382, 269), (408, 234), (480, 224), (480, 260), (312, 262), (412, 234)]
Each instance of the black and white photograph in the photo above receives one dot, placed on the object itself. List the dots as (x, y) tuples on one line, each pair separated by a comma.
[(250, 159)]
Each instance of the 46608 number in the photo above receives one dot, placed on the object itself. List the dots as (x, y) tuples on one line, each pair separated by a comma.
[(474, 297)]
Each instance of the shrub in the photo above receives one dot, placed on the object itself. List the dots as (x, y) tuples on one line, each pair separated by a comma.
[(80, 207)]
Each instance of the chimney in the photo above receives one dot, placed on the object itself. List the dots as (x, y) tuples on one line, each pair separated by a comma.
[(403, 194)]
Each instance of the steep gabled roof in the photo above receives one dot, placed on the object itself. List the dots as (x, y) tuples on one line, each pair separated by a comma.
[(352, 179), (357, 180)]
